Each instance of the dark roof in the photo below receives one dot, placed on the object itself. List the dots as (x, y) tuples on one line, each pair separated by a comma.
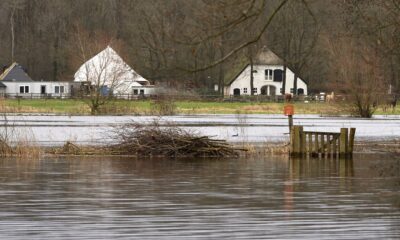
[(15, 73), (2, 85)]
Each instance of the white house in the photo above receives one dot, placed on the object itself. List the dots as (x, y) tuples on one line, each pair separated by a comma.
[(109, 71), (14, 81), (267, 78)]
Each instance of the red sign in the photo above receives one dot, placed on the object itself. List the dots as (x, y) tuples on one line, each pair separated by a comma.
[(288, 110)]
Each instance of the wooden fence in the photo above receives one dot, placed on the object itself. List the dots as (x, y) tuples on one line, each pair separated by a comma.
[(321, 144)]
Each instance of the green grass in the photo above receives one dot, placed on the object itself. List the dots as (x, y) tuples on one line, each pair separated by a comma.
[(46, 105), (254, 107), (70, 106)]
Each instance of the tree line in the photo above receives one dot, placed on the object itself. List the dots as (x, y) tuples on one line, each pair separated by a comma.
[(333, 45)]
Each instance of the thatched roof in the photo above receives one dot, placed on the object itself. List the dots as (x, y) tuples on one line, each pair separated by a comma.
[(267, 57), (264, 57)]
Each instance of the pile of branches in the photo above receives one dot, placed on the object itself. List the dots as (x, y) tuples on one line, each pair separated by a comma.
[(167, 141)]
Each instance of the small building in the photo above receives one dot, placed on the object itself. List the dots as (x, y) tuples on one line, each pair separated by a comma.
[(268, 77), (17, 83), (109, 72)]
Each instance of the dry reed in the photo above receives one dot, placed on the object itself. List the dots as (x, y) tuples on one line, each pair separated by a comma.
[(13, 143)]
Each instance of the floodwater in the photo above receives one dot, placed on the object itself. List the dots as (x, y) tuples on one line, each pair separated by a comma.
[(55, 130), (259, 198)]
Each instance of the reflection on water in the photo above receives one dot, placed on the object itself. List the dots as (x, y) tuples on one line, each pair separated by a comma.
[(272, 198)]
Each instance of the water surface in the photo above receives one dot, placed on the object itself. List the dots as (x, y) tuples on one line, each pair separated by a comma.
[(56, 130), (258, 198)]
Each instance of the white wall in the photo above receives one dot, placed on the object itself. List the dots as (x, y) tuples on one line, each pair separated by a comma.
[(131, 88), (243, 81), (146, 90), (135, 91), (13, 88)]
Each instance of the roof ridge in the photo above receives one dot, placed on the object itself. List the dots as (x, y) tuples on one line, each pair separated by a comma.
[(7, 71)]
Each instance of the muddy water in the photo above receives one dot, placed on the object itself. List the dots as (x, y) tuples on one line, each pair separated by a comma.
[(260, 198)]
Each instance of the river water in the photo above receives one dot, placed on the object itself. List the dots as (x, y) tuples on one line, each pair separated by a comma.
[(56, 130), (245, 198)]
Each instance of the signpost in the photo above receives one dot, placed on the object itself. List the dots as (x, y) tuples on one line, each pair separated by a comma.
[(288, 110)]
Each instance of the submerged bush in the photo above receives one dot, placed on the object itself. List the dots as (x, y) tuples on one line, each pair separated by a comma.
[(163, 105)]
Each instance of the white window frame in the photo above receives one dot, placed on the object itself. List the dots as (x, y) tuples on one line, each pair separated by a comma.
[(269, 74), (245, 90), (255, 90), (59, 89), (26, 89)]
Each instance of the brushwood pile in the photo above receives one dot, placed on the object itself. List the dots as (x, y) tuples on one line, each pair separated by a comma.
[(167, 141)]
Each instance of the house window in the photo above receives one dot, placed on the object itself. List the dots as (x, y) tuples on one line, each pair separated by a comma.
[(135, 92), (23, 89), (254, 90), (269, 74), (141, 91), (278, 75), (58, 89), (244, 90), (292, 90)]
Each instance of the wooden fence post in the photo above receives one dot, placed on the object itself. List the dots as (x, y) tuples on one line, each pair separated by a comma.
[(343, 146), (316, 145), (291, 140), (351, 140), (321, 143), (303, 150), (295, 143), (334, 146), (290, 118), (329, 147)]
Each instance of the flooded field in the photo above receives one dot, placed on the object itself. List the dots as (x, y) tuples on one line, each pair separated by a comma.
[(260, 198), (55, 130)]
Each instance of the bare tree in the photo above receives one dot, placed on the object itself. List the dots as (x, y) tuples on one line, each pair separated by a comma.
[(102, 68), (357, 73), (294, 34), (244, 15), (198, 41), (378, 23), (14, 5)]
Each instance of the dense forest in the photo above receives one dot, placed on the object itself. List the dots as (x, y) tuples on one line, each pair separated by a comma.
[(197, 43)]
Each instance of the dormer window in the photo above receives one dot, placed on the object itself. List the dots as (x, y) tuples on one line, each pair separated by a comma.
[(269, 74)]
